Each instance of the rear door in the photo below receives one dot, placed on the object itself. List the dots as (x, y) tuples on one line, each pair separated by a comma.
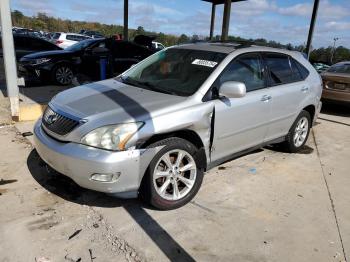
[(70, 40), (241, 123), (287, 90)]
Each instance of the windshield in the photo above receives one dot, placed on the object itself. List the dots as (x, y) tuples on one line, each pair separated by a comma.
[(81, 45), (174, 71), (342, 68)]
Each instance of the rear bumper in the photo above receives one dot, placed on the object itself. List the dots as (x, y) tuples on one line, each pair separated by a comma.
[(317, 113), (335, 95), (79, 162)]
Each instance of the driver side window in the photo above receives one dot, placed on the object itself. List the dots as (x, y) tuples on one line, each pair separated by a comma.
[(247, 69)]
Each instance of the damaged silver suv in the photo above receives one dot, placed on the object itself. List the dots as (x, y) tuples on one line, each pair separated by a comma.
[(156, 128)]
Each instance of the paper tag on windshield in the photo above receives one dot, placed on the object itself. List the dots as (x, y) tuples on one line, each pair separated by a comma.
[(204, 63)]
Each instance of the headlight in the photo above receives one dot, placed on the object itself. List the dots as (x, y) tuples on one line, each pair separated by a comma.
[(40, 61), (112, 137)]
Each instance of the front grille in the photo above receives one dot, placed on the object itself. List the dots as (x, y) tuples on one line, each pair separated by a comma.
[(58, 123)]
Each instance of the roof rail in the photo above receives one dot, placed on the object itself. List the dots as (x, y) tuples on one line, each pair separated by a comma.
[(248, 43)]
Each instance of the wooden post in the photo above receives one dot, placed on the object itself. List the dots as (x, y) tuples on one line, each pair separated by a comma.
[(226, 20), (212, 21)]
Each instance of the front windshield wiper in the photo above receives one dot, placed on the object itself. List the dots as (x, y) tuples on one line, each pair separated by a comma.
[(144, 84)]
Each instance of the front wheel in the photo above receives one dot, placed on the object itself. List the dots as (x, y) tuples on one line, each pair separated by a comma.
[(62, 74), (173, 177), (299, 133)]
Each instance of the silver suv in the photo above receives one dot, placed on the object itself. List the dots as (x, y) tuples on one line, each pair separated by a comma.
[(154, 130)]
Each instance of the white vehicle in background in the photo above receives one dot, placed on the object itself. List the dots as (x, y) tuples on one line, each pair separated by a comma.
[(65, 40), (157, 45)]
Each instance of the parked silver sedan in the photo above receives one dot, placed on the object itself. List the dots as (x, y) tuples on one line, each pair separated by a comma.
[(155, 129)]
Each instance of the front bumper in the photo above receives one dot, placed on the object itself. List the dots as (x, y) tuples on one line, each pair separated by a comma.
[(79, 162), (317, 113), (33, 73)]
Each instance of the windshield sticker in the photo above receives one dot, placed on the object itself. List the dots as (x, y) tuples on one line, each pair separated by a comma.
[(204, 63)]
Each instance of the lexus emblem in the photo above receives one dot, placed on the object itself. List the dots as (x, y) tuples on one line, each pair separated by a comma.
[(51, 119)]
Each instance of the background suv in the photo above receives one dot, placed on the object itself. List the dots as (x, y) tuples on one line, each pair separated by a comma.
[(65, 40), (156, 128)]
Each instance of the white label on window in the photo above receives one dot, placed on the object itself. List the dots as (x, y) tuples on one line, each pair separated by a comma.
[(204, 63)]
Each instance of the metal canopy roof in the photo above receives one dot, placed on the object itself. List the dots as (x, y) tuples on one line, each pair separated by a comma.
[(219, 2)]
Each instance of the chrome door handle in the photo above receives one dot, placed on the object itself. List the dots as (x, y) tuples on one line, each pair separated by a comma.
[(304, 89), (266, 98)]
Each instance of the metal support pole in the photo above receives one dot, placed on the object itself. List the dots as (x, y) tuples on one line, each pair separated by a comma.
[(9, 58), (312, 27), (333, 49), (126, 20), (212, 21), (226, 20)]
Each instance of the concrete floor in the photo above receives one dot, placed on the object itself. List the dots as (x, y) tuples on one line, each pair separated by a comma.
[(265, 206)]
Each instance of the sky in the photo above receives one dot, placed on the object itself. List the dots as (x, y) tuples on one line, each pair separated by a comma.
[(285, 21)]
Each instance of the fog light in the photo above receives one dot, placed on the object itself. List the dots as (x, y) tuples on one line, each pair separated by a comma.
[(105, 177)]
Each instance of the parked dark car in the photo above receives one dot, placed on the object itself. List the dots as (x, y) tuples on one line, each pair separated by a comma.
[(25, 45), (83, 58)]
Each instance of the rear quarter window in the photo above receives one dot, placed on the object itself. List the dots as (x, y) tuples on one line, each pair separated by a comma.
[(71, 37), (281, 69), (304, 73)]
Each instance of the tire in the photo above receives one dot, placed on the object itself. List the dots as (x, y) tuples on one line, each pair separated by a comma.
[(159, 184), (298, 133), (62, 74)]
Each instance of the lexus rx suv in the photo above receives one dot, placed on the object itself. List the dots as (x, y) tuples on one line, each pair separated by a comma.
[(154, 130)]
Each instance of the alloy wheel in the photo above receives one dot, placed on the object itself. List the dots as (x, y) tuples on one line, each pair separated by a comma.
[(301, 131), (64, 75), (174, 175)]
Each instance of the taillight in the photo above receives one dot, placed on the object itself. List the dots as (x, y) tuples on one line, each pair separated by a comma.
[(59, 42)]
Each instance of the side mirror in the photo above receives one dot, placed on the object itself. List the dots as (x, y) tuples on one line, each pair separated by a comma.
[(233, 89)]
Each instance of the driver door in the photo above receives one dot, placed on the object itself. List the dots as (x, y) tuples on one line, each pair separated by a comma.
[(241, 123), (90, 62)]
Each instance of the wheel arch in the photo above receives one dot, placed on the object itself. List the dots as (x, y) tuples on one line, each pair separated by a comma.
[(311, 109), (186, 134)]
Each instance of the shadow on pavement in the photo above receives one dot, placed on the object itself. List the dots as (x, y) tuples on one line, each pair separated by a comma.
[(335, 109), (67, 189)]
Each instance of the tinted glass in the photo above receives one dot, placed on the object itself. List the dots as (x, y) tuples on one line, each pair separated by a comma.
[(175, 71), (247, 69), (343, 68), (71, 37), (38, 44), (280, 69), (81, 45), (56, 36), (303, 71), (297, 76), (21, 43)]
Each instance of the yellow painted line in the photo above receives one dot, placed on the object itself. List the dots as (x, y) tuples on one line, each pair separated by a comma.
[(30, 112)]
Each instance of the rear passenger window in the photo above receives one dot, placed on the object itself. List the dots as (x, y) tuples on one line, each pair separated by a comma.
[(71, 37), (56, 36), (281, 69), (247, 69)]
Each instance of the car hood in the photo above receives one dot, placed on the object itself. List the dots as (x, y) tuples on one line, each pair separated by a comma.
[(47, 54), (110, 102)]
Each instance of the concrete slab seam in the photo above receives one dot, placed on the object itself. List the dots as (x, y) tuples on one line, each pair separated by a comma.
[(330, 196)]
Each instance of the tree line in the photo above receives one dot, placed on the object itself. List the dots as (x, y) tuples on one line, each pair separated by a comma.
[(43, 22)]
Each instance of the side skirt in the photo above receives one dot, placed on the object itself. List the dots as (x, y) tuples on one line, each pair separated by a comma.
[(243, 152)]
